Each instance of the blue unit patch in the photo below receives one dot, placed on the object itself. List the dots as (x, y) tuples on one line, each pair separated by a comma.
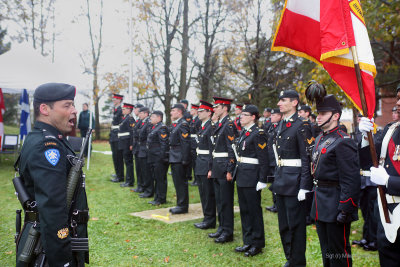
[(52, 156)]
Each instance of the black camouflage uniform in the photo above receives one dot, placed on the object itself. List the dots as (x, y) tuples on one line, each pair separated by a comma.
[(157, 159), (45, 161), (336, 172)]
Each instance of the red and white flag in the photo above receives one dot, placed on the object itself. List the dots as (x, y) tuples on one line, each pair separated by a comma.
[(323, 31), (2, 110)]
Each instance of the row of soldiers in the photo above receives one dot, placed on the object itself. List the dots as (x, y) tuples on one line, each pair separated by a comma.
[(303, 163)]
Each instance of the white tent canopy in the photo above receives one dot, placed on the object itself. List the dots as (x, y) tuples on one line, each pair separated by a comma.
[(24, 67)]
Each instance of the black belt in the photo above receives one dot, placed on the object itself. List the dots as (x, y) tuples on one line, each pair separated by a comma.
[(326, 183), (31, 216), (80, 216)]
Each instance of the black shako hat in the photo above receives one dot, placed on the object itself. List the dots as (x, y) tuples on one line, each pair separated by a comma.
[(178, 106), (252, 109), (289, 94), (305, 108), (329, 103), (158, 113), (275, 111), (204, 105), (50, 92)]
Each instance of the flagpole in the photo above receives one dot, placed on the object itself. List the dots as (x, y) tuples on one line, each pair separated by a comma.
[(372, 149)]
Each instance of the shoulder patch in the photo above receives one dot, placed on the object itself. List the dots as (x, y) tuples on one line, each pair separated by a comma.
[(50, 144), (185, 135), (63, 233), (52, 156)]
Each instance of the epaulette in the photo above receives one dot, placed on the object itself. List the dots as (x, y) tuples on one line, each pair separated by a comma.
[(46, 134), (343, 134)]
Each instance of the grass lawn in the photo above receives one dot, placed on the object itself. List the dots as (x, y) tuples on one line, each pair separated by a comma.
[(118, 239)]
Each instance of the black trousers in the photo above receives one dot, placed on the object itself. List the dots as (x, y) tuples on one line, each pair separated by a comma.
[(224, 191), (334, 242), (207, 198), (292, 228), (193, 166), (147, 180), (118, 160), (128, 160), (158, 172), (368, 197), (389, 253), (181, 184), (138, 173), (251, 216)]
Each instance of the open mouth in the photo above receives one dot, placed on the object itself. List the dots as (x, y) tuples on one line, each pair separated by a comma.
[(71, 122)]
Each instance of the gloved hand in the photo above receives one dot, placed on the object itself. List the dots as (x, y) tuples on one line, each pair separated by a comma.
[(260, 186), (302, 194), (343, 217), (366, 125), (379, 175)]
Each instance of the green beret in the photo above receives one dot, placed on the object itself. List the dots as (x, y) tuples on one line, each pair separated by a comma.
[(50, 92)]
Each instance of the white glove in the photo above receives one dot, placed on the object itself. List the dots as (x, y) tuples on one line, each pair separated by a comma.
[(379, 175), (260, 186), (366, 125), (302, 194)]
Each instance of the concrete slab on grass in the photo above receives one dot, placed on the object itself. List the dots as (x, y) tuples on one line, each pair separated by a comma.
[(195, 212)]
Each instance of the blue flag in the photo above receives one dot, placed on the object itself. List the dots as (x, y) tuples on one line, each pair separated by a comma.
[(25, 125)]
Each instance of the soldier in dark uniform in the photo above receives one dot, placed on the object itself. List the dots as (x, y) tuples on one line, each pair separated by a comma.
[(238, 111), (251, 176), (147, 179), (194, 128), (335, 168), (45, 161), (188, 118), (157, 156), (179, 158), (203, 161), (135, 148), (221, 169), (117, 156), (125, 143), (276, 117), (266, 123), (388, 176), (292, 177)]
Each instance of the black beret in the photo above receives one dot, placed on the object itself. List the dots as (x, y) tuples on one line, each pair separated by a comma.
[(50, 92), (252, 109), (305, 108), (289, 94), (394, 108), (144, 109), (157, 112), (275, 111), (138, 105), (184, 101), (178, 106), (268, 110), (329, 103)]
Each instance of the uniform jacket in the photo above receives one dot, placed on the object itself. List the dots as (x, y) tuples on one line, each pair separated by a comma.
[(117, 119), (195, 125), (135, 136), (44, 168), (237, 124), (271, 133), (84, 121), (391, 166), (179, 142), (292, 140), (126, 126), (335, 160), (158, 143), (223, 137), (142, 140), (204, 143), (187, 117), (252, 143), (266, 124)]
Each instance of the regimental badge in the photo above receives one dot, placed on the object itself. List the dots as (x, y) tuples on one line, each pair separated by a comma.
[(63, 233), (52, 156), (185, 135), (281, 94)]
